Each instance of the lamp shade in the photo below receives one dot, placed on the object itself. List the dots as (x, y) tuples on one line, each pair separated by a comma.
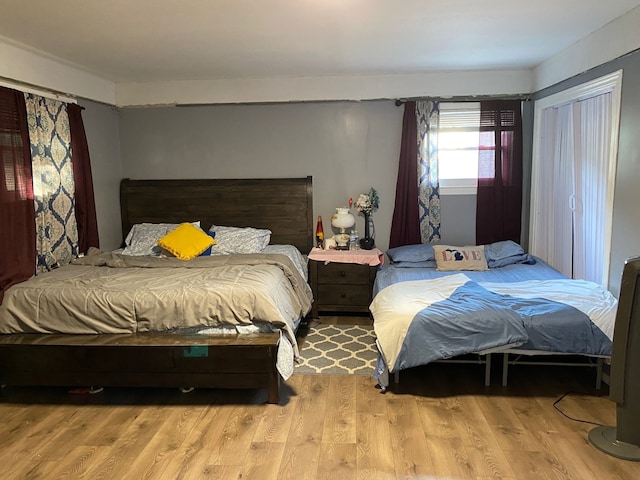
[(342, 219)]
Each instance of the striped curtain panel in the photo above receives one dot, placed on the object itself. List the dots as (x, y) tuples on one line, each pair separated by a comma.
[(428, 120), (53, 184)]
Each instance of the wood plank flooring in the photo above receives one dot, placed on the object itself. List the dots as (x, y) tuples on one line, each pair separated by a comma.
[(441, 424)]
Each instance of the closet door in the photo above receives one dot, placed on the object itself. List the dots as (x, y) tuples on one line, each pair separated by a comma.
[(592, 118), (554, 190), (573, 178)]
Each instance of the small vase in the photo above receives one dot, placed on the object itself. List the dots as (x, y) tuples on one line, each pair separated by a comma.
[(368, 242)]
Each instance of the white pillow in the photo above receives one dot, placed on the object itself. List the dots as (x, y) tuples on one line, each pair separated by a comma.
[(143, 238), (239, 240)]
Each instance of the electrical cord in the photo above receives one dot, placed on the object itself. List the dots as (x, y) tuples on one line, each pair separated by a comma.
[(555, 405)]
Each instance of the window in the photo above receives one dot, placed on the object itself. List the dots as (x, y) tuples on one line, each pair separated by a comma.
[(458, 147)]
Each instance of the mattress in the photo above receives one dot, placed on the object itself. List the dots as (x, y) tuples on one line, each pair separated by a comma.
[(422, 315), (105, 292)]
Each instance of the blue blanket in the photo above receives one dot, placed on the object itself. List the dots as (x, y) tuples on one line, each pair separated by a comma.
[(417, 322)]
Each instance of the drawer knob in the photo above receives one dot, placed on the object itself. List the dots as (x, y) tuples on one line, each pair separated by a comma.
[(343, 273), (343, 295)]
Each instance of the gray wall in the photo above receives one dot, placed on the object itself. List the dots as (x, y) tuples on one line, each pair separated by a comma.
[(101, 124), (626, 207), (347, 147)]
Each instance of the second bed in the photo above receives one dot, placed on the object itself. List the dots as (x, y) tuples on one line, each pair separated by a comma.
[(515, 305)]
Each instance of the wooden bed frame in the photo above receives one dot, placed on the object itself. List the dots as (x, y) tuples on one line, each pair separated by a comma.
[(284, 205)]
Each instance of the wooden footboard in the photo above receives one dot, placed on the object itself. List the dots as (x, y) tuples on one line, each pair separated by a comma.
[(142, 360)]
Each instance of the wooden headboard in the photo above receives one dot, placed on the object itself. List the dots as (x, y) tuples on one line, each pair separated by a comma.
[(283, 205)]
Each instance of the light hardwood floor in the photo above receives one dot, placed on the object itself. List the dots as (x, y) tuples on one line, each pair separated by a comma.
[(441, 424)]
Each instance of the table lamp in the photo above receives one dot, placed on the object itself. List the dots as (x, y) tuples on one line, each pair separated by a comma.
[(342, 220)]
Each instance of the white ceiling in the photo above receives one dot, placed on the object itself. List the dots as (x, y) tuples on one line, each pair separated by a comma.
[(168, 40)]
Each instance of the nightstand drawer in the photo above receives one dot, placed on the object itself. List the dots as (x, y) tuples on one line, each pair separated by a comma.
[(355, 295), (341, 287), (343, 273)]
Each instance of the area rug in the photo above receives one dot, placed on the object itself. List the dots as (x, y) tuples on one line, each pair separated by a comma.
[(338, 350)]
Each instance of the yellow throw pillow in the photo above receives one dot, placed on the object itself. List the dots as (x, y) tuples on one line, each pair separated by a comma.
[(449, 258), (186, 241)]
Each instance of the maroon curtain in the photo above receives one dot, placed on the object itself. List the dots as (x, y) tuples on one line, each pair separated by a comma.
[(499, 207), (17, 222), (85, 200), (405, 224)]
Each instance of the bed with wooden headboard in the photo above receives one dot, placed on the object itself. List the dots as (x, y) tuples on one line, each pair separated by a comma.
[(282, 205)]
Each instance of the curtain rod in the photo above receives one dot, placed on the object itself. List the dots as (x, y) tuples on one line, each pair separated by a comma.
[(466, 98), (30, 88)]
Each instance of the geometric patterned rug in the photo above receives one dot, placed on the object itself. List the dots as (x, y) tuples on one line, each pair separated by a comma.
[(338, 350)]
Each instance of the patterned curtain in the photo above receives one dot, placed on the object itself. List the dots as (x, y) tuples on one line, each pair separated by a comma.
[(428, 120), (53, 185)]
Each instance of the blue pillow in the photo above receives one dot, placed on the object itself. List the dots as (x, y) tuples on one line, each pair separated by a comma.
[(500, 250), (498, 254), (503, 262), (507, 252), (425, 264), (411, 253), (207, 252)]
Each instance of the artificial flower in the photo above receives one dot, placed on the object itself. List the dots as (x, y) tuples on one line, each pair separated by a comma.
[(367, 203)]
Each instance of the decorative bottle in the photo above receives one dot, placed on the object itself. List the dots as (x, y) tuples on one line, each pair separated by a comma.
[(353, 240), (319, 233)]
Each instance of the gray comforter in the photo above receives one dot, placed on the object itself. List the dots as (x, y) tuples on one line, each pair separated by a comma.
[(110, 293)]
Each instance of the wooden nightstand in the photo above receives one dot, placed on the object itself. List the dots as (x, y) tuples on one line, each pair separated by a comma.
[(341, 286)]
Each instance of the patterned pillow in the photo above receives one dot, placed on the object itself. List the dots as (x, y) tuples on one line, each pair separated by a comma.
[(450, 258), (239, 240), (299, 260), (186, 241), (143, 238)]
